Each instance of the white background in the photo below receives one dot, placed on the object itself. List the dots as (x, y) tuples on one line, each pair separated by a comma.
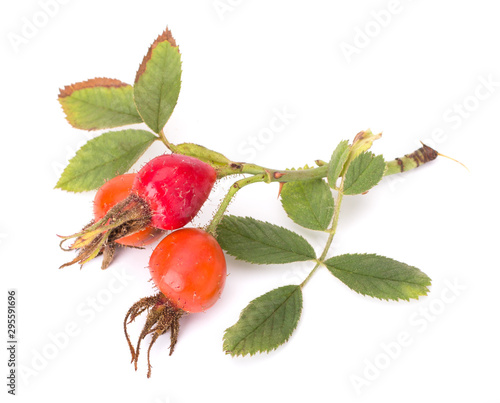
[(419, 74)]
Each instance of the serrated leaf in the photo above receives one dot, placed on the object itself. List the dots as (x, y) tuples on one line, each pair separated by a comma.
[(99, 103), (363, 173), (337, 161), (260, 242), (379, 276), (158, 82), (308, 203), (103, 158), (266, 323)]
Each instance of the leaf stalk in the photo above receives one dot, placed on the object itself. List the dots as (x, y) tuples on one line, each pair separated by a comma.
[(331, 234), (212, 228)]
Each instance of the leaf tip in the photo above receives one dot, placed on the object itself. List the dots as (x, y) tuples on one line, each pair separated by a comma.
[(165, 36)]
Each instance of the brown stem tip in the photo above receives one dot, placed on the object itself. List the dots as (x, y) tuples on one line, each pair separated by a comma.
[(423, 154)]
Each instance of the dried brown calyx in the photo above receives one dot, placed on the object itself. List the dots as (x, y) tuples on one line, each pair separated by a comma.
[(125, 218), (161, 317)]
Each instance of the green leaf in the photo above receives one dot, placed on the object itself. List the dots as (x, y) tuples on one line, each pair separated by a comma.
[(364, 173), (339, 158), (202, 153), (103, 158), (308, 203), (260, 242), (99, 103), (158, 82), (266, 323), (379, 276)]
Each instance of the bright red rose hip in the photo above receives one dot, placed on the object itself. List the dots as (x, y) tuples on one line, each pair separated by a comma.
[(189, 268), (167, 193), (175, 187)]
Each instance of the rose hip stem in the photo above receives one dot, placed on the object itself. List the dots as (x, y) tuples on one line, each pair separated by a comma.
[(410, 161)]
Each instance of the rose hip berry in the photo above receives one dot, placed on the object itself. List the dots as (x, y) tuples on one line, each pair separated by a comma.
[(175, 187), (166, 194), (189, 269)]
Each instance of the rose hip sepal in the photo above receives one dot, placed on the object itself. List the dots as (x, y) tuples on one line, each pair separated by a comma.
[(108, 195), (113, 192), (189, 269), (166, 194)]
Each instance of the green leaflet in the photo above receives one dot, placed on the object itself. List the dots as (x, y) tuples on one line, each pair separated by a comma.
[(103, 158), (337, 161), (262, 243), (266, 323), (158, 82), (379, 276), (308, 203), (202, 153), (99, 103), (364, 172)]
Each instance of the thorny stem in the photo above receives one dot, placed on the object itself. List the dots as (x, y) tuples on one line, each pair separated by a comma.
[(261, 174), (278, 175), (408, 162), (266, 175)]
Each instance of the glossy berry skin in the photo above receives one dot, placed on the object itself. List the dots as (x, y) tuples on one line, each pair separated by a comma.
[(189, 268), (175, 187), (114, 191)]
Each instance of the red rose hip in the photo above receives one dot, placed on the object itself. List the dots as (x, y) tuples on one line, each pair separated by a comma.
[(189, 269), (166, 194), (175, 187)]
